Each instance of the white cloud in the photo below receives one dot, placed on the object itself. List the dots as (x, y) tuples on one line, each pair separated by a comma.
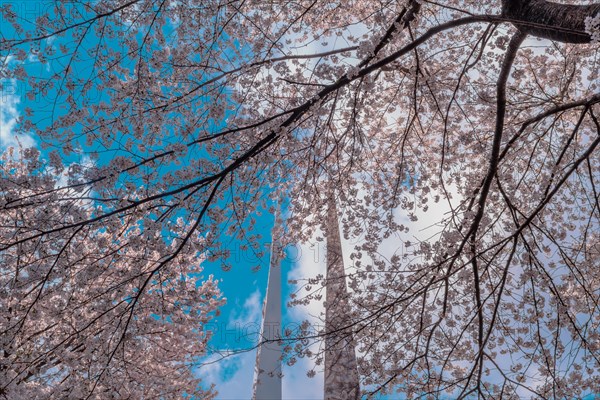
[(232, 371), (310, 261), (9, 115), (298, 386), (250, 312), (232, 375)]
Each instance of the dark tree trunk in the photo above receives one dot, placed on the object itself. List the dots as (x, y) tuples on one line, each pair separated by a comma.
[(554, 21)]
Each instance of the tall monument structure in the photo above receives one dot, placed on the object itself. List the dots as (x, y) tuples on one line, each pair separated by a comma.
[(341, 372), (267, 374)]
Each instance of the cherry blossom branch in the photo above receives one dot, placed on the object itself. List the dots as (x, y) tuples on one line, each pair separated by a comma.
[(11, 43)]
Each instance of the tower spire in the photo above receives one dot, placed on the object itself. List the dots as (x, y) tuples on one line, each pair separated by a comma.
[(341, 373), (267, 373)]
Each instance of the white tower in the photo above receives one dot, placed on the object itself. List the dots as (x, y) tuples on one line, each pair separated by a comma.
[(341, 373), (267, 374)]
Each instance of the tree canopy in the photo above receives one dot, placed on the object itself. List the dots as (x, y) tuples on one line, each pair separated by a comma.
[(163, 125)]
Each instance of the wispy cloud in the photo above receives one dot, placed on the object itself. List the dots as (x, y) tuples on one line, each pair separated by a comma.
[(232, 372), (310, 261), (298, 386), (9, 117), (233, 376)]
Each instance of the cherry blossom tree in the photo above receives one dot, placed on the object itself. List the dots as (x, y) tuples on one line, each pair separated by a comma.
[(87, 311), (208, 110)]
